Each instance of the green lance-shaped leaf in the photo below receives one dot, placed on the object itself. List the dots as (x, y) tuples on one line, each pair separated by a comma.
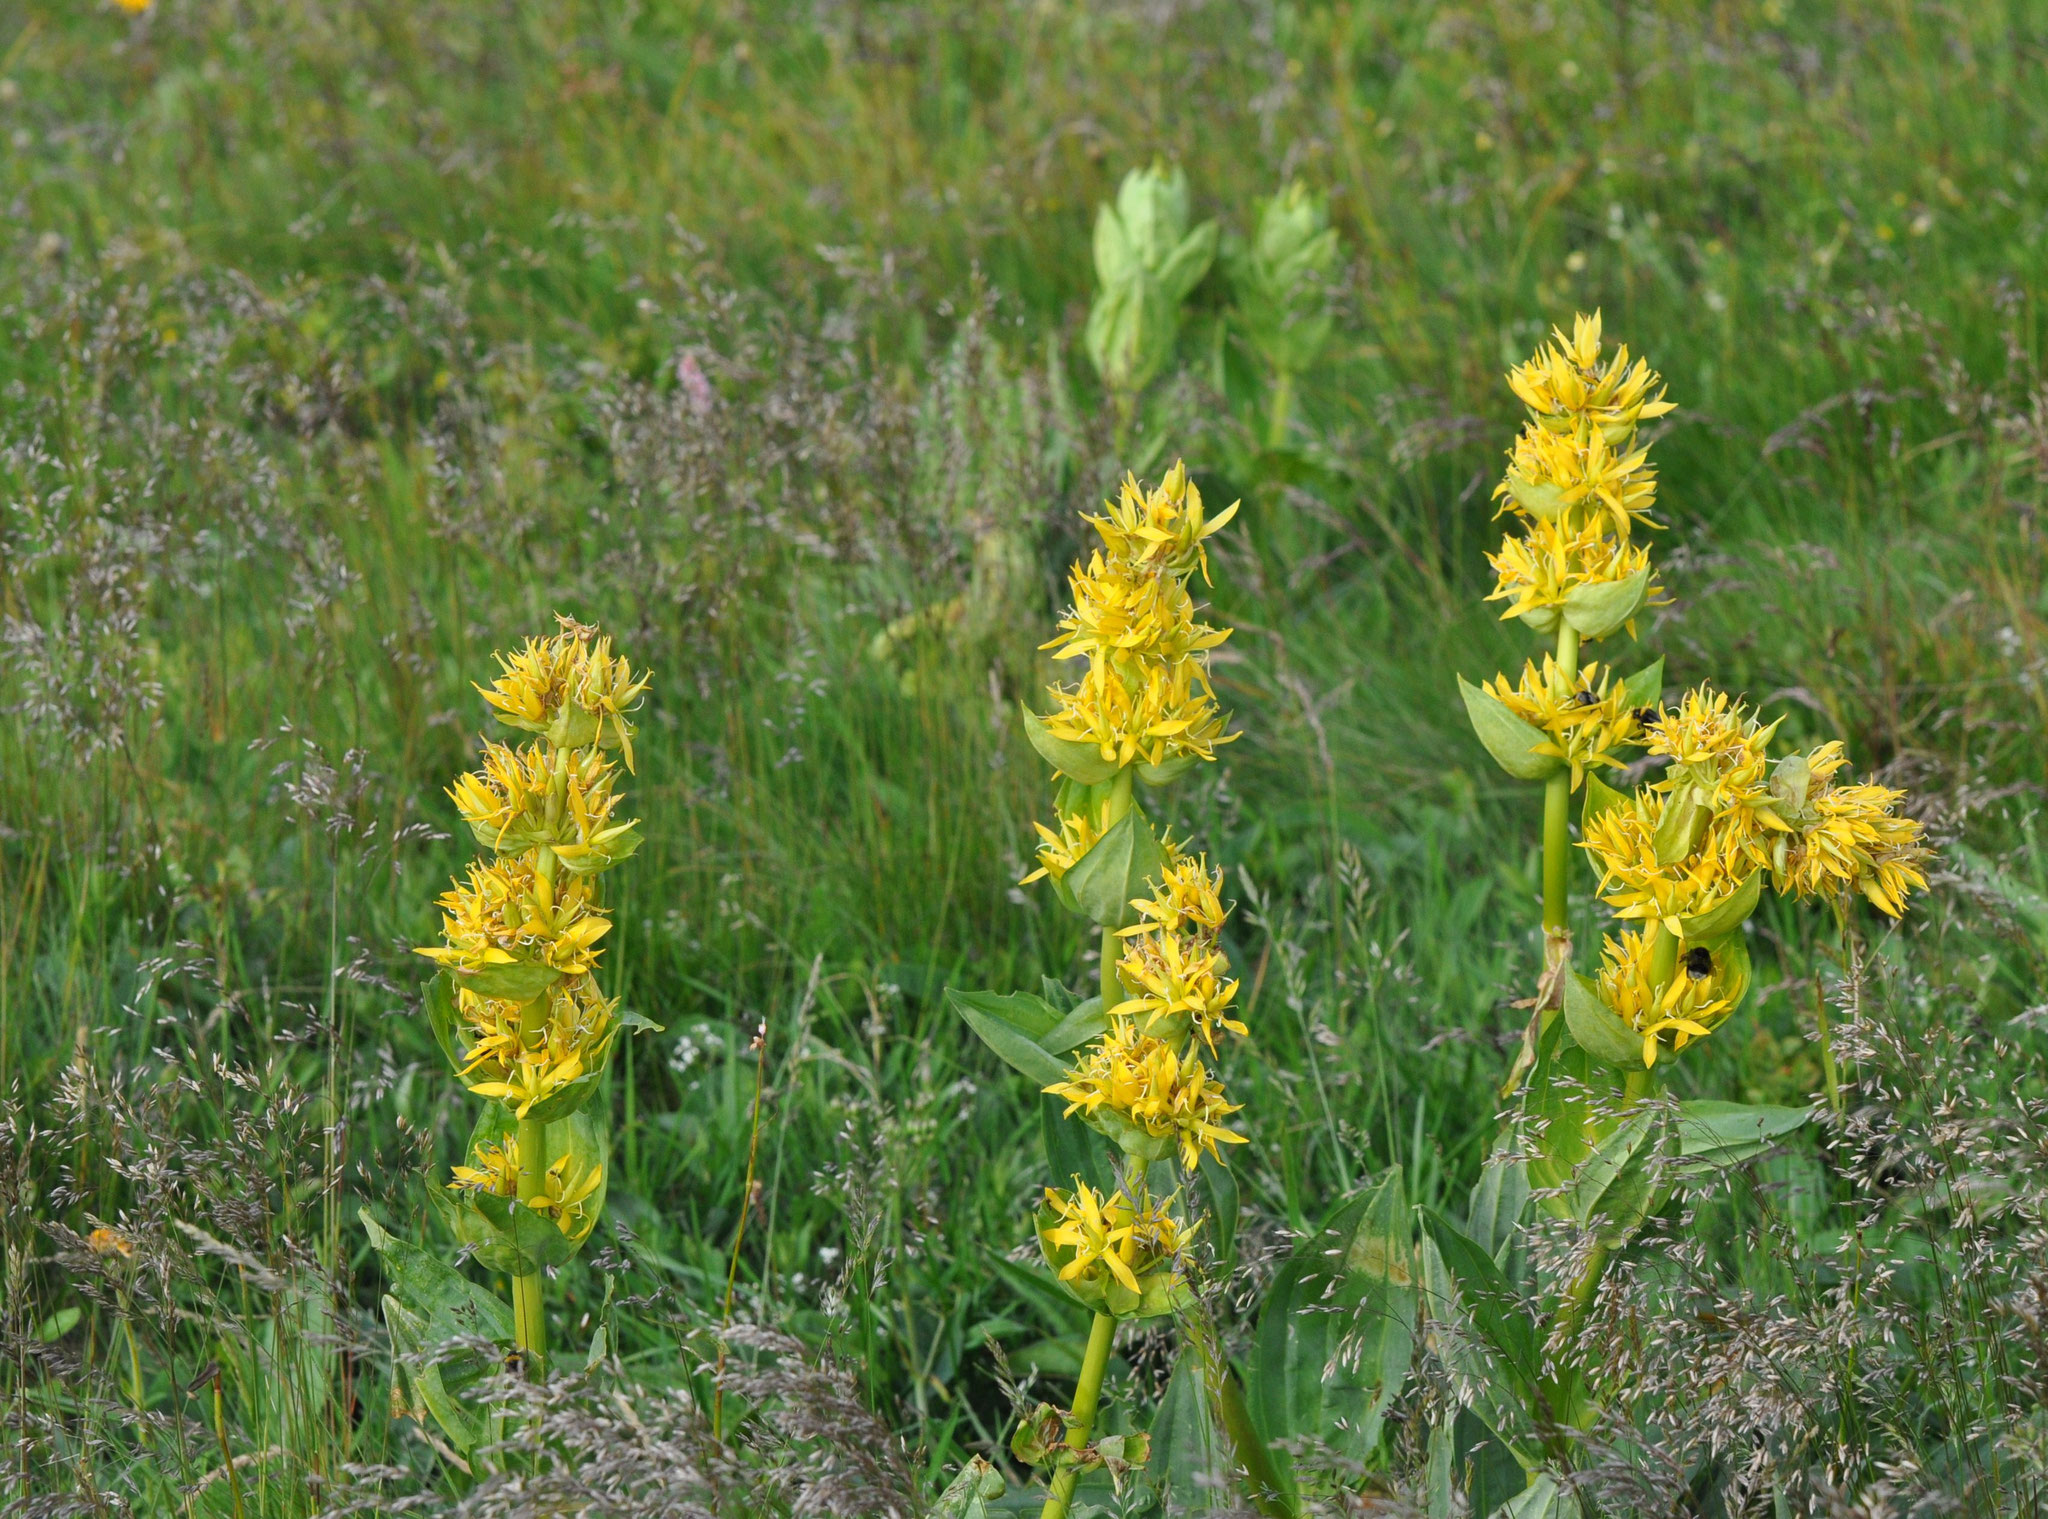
[(1511, 741), (1598, 1029), (1079, 761), (1013, 1024), (520, 981), (1489, 1303), (1543, 1498), (1184, 267), (452, 1305), (445, 1020), (1594, 611), (1337, 1332), (1167, 771), (1187, 1462), (1717, 923), (1073, 1150), (1219, 1184), (1120, 867), (1721, 1134), (1138, 1144), (1687, 812), (1467, 1455), (1083, 1023), (1600, 797), (420, 1370), (1623, 1181), (1116, 261), (1645, 688), (1499, 1198), (1539, 498)]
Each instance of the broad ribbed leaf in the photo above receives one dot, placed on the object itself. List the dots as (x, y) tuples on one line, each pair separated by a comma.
[(1498, 1200), (1338, 1329), (1185, 1464), (1497, 1396), (1489, 1303)]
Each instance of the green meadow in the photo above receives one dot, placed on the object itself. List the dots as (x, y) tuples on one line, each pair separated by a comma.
[(346, 345)]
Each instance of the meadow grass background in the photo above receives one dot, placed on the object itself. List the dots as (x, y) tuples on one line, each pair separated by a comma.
[(346, 344)]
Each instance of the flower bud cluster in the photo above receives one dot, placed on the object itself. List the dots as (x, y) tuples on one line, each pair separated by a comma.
[(1108, 1241), (1578, 485), (1586, 719), (569, 1191), (1145, 696)]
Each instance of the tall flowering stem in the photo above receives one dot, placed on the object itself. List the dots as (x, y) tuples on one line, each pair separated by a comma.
[(516, 1005), (1577, 489), (1139, 714), (1681, 861)]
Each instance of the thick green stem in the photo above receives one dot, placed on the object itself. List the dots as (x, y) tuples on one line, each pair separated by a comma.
[(529, 1310), (1557, 841), (1111, 988), (1114, 807), (1557, 853), (1087, 1393)]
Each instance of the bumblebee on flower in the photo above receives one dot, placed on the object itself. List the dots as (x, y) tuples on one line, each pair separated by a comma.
[(1683, 860)]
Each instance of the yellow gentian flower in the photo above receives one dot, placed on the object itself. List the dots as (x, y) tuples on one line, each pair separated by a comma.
[(1689, 1006), (1147, 1083)]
